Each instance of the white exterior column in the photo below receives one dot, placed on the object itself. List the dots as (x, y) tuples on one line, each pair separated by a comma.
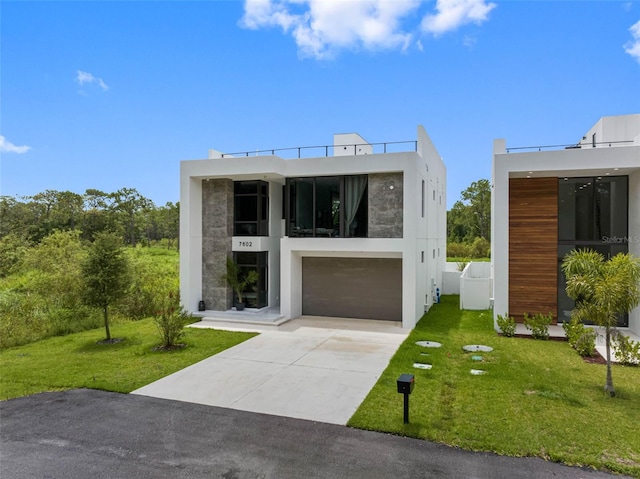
[(500, 229), (190, 241)]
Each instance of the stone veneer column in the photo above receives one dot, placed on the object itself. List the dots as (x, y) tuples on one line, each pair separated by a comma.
[(217, 230), (385, 205)]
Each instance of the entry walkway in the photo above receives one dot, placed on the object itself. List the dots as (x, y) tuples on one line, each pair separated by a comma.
[(309, 368)]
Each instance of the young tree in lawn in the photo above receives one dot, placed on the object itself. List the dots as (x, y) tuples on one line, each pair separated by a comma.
[(106, 274), (603, 290)]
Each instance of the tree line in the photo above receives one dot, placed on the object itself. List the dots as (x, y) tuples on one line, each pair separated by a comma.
[(125, 212), (469, 222)]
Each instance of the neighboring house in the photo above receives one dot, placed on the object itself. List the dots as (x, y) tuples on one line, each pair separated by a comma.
[(547, 202), (359, 234)]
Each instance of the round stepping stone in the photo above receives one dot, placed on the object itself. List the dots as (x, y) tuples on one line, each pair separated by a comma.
[(424, 354), (477, 372), (476, 358), (428, 344), (422, 366), (472, 348)]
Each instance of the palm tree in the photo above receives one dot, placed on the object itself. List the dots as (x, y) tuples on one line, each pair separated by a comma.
[(603, 290)]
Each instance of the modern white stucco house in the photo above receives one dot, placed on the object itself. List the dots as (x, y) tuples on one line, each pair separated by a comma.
[(357, 231), (547, 202)]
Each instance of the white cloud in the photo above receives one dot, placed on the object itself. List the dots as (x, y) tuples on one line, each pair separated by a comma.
[(8, 147), (633, 47), (85, 77), (452, 14), (322, 27)]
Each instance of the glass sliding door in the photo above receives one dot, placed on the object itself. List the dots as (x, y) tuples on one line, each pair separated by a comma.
[(327, 206)]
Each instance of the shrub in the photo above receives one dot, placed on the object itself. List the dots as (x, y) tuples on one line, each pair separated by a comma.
[(580, 338), (170, 321), (626, 350), (458, 250), (538, 324), (585, 345), (507, 325), (154, 275), (573, 330), (481, 248), (13, 249)]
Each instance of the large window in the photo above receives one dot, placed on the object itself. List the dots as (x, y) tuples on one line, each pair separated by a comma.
[(251, 208), (593, 209), (256, 297), (593, 213), (327, 206)]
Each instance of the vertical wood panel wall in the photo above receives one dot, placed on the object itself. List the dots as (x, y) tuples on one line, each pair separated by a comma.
[(533, 246)]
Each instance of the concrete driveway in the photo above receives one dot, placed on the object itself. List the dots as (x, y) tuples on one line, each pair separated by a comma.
[(313, 368)]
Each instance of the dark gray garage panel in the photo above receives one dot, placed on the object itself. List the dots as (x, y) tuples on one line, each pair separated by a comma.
[(367, 288)]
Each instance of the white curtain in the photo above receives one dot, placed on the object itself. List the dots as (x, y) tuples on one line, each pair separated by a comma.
[(354, 187)]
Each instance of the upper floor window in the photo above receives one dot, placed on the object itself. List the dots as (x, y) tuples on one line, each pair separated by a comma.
[(251, 208), (593, 208), (327, 206)]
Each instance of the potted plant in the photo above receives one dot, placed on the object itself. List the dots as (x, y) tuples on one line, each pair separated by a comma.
[(239, 282)]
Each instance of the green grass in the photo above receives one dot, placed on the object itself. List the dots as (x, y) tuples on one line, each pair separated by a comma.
[(458, 259), (538, 398), (78, 361)]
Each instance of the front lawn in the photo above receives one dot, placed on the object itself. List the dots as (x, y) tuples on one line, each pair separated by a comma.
[(78, 361), (537, 398)]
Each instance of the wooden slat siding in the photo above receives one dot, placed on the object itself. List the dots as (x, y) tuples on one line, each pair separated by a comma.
[(533, 247)]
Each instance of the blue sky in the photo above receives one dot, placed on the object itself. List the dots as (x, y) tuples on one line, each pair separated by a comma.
[(114, 94)]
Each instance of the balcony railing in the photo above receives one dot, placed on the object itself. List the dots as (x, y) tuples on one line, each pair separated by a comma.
[(574, 146), (326, 150)]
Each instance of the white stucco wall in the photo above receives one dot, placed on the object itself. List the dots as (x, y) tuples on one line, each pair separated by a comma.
[(614, 129), (475, 286), (348, 144), (190, 240)]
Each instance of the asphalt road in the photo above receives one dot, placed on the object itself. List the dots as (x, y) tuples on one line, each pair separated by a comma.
[(86, 434)]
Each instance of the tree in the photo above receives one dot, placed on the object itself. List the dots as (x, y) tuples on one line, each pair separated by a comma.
[(470, 217), (97, 214), (458, 228), (106, 274), (478, 198), (67, 209), (603, 290), (128, 202)]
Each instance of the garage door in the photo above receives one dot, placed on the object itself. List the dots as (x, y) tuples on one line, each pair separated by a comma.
[(367, 288)]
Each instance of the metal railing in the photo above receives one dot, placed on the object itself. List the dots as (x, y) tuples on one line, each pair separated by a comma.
[(573, 146), (328, 150)]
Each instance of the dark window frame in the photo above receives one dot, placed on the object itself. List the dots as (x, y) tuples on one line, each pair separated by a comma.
[(291, 190), (260, 263), (251, 227)]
